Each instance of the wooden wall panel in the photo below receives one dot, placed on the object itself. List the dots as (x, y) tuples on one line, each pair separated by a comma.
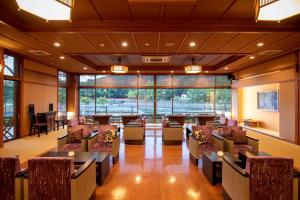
[(73, 102)]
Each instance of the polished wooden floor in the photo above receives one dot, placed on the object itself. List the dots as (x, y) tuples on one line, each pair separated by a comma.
[(156, 171)]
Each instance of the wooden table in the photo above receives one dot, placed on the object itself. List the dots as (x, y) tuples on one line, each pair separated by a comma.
[(243, 155), (251, 123), (102, 162), (60, 121), (212, 167)]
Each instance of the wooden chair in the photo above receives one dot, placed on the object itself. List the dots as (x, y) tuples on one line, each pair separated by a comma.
[(36, 123)]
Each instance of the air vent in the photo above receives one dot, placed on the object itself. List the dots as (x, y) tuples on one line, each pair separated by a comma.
[(156, 59), (269, 52), (38, 52)]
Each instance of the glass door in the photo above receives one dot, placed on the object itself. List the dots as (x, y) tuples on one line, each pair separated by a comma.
[(10, 117), (146, 103)]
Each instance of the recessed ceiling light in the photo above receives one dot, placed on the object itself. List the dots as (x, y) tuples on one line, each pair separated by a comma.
[(103, 71), (192, 44), (62, 57), (226, 68), (85, 68), (102, 45), (147, 44), (56, 44), (172, 71), (170, 44), (137, 71), (251, 57), (124, 44), (260, 44), (206, 71)]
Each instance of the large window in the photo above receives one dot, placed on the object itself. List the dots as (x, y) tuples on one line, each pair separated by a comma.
[(136, 94), (10, 97), (62, 93)]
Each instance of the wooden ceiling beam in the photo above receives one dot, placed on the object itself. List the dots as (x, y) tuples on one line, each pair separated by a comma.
[(160, 26)]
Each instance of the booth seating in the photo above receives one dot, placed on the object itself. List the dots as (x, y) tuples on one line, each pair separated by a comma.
[(11, 178), (171, 133), (265, 177), (105, 139), (134, 131), (76, 137), (176, 118), (236, 139), (102, 119), (213, 142), (55, 178)]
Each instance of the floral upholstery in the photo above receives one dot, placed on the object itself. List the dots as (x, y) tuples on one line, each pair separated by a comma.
[(101, 145), (72, 147), (9, 167), (50, 178), (73, 122), (223, 120), (74, 134), (238, 135), (81, 120), (270, 178), (207, 147), (165, 123), (206, 130), (87, 129)]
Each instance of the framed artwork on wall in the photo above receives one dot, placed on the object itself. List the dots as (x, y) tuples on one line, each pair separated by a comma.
[(267, 100)]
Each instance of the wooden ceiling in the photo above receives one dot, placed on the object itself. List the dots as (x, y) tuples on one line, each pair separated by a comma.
[(225, 34)]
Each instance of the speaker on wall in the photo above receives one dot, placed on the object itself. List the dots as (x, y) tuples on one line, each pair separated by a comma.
[(50, 107), (231, 77)]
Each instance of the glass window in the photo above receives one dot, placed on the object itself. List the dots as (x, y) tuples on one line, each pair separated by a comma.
[(62, 100), (222, 80), (223, 101), (116, 80), (189, 101), (164, 80), (146, 80), (62, 78), (87, 101), (101, 101), (199, 81), (121, 100), (146, 102), (10, 64), (163, 102), (87, 80)]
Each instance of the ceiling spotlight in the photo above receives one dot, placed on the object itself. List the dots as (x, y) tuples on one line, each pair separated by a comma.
[(56, 44), (62, 57), (170, 44), (251, 57), (226, 68), (192, 44), (147, 44), (103, 71), (85, 68), (172, 72), (206, 71), (260, 44), (137, 71), (124, 44), (102, 45)]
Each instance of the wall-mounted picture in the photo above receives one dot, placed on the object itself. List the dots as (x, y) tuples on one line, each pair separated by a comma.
[(267, 101)]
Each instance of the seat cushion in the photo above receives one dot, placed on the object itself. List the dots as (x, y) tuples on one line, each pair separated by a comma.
[(101, 147), (74, 135), (242, 148), (207, 147), (239, 136), (72, 147)]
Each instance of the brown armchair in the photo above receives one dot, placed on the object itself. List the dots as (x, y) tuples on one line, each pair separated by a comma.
[(102, 119), (11, 178), (134, 131), (177, 118), (214, 143), (265, 177), (55, 178)]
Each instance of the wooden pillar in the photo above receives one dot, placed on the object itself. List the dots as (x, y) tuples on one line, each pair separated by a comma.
[(297, 106), (1, 93), (73, 102)]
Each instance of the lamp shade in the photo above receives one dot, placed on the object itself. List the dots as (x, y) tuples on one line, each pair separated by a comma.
[(48, 9), (192, 69), (119, 69), (276, 10)]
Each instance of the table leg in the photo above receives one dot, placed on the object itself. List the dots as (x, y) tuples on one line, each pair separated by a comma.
[(103, 170)]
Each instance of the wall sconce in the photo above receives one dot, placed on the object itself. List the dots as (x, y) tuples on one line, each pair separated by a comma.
[(70, 115)]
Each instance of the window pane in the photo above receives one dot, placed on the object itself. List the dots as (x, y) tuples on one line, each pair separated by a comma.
[(146, 80), (164, 102), (87, 101), (223, 101), (164, 80), (87, 80), (189, 101), (62, 78), (200, 81), (146, 102), (10, 66), (116, 80), (121, 101), (62, 100), (222, 80), (101, 101)]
